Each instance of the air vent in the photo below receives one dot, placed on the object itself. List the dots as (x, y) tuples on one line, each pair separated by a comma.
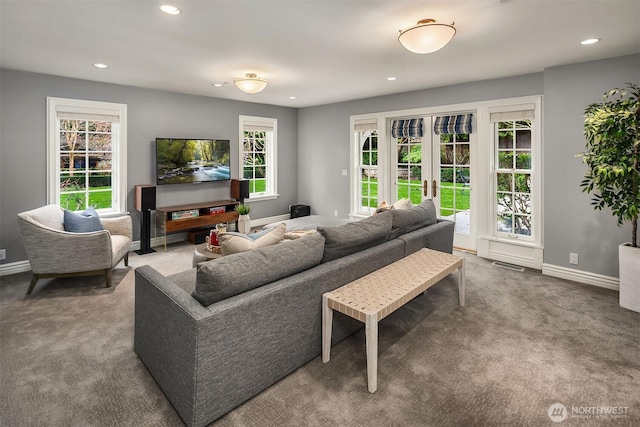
[(508, 266)]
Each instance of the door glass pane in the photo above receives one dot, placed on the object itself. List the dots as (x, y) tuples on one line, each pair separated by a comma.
[(455, 176)]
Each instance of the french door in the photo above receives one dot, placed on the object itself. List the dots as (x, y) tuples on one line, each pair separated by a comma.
[(439, 167)]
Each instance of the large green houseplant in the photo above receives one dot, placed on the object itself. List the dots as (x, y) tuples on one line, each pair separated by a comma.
[(612, 131)]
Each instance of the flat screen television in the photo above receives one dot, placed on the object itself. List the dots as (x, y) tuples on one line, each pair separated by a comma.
[(184, 161)]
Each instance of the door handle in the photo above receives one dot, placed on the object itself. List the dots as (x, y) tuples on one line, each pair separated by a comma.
[(425, 188), (434, 187)]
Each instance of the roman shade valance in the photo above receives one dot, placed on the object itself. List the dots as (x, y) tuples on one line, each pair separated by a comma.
[(461, 123), (407, 127), (365, 125), (507, 116)]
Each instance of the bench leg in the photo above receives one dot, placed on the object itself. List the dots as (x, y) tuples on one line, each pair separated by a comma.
[(461, 285), (327, 324), (371, 332)]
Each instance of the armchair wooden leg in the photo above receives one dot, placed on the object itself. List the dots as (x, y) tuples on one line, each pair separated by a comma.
[(126, 260), (107, 274), (32, 285)]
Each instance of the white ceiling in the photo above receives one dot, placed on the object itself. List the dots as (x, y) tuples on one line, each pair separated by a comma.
[(321, 51)]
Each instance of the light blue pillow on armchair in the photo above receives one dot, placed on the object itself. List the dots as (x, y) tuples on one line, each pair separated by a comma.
[(84, 222)]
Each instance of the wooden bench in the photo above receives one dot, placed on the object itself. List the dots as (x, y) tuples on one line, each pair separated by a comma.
[(373, 297)]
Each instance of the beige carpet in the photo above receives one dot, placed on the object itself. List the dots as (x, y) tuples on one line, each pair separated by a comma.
[(523, 343)]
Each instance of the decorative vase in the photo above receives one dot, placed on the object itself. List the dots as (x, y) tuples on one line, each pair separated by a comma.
[(629, 262), (244, 224)]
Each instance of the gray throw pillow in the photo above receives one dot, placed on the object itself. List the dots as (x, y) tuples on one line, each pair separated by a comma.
[(356, 236), (406, 220), (84, 222), (231, 275)]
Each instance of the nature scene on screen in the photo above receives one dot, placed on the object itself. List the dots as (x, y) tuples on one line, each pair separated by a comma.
[(192, 160)]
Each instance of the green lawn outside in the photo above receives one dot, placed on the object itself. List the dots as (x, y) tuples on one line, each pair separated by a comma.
[(100, 199), (462, 199)]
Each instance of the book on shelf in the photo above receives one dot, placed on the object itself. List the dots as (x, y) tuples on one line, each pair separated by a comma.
[(217, 210), (190, 213)]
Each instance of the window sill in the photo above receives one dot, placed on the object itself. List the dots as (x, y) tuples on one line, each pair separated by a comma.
[(513, 241), (261, 198)]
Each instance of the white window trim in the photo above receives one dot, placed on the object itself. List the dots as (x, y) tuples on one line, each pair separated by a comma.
[(272, 154), (119, 159)]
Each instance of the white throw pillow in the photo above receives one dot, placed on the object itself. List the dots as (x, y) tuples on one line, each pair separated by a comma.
[(232, 243), (402, 204)]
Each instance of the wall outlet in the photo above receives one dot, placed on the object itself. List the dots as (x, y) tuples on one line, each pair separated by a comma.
[(3, 254), (573, 259)]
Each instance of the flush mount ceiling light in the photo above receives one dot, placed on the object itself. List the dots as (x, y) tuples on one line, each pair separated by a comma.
[(99, 65), (171, 10), (251, 83), (427, 36), (589, 41)]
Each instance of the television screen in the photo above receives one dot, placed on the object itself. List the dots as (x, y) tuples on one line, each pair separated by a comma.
[(181, 161)]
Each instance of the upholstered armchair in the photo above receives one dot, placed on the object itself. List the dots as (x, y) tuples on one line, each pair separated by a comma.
[(54, 252)]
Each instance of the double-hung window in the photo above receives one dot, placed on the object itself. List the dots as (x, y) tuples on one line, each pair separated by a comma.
[(258, 160), (366, 136), (86, 154), (515, 186)]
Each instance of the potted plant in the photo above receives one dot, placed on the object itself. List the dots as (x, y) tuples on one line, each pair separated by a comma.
[(612, 131), (244, 222)]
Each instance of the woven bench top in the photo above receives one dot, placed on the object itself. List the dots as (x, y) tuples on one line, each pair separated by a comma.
[(389, 288)]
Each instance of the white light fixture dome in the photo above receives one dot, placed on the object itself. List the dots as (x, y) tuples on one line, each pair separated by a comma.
[(427, 36), (251, 83)]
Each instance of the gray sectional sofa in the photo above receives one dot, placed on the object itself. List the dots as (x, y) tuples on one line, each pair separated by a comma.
[(265, 318)]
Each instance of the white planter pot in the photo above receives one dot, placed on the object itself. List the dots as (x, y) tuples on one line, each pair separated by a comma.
[(629, 260), (244, 224)]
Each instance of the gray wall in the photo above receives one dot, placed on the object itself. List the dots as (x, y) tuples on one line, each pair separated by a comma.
[(570, 224), (323, 133), (151, 114)]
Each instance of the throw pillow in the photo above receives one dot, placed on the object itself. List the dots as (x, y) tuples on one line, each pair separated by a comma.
[(84, 222), (406, 220), (232, 243), (225, 277), (356, 236), (384, 206), (402, 204)]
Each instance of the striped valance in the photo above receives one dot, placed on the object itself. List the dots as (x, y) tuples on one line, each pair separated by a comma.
[(407, 127), (453, 124)]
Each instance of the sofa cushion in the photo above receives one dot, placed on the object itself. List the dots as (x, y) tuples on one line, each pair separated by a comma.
[(356, 236), (231, 275), (406, 220), (233, 243), (84, 222)]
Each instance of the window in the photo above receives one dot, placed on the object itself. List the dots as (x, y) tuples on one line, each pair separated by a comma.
[(368, 170), (258, 164), (365, 138), (513, 176), (86, 152)]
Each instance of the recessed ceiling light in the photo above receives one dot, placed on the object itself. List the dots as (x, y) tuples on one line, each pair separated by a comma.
[(98, 65), (171, 10), (217, 85), (392, 78), (589, 41), (293, 97)]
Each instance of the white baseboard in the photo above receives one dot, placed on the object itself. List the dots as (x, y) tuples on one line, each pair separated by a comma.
[(23, 266), (585, 277)]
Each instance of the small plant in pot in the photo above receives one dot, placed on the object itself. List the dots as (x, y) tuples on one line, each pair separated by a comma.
[(244, 222), (612, 131)]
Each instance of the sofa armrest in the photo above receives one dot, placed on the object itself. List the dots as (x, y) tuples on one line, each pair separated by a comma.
[(438, 236), (166, 336)]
